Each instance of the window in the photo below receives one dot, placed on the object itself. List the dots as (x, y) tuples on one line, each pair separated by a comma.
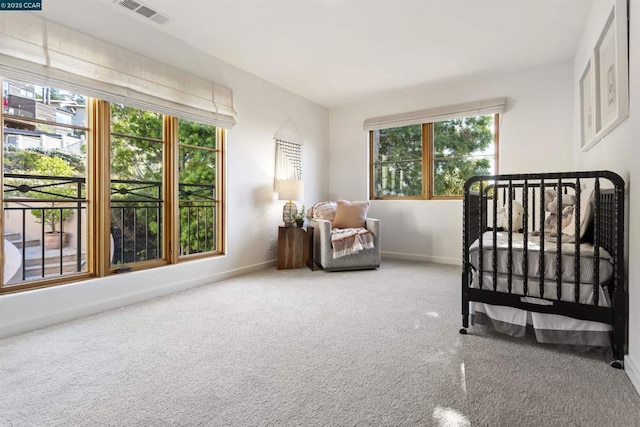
[(89, 187), (432, 160), (44, 184), (199, 178), (137, 178)]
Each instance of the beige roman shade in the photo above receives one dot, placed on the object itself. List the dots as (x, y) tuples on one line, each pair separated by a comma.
[(470, 109), (39, 51)]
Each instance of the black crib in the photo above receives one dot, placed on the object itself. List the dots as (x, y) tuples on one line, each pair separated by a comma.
[(484, 196)]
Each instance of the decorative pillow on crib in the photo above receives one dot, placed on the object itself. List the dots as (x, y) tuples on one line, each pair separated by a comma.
[(351, 214), (587, 200)]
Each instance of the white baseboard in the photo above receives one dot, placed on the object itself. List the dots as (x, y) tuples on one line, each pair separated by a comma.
[(109, 303), (633, 372), (423, 258)]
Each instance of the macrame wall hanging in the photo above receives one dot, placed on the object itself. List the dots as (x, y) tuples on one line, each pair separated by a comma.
[(288, 161)]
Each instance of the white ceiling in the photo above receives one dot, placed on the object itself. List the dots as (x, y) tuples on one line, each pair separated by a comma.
[(336, 52)]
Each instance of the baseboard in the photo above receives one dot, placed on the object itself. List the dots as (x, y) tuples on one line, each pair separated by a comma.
[(633, 372), (71, 313), (423, 258)]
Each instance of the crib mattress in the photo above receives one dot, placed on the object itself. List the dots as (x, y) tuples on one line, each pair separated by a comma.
[(550, 289), (567, 266)]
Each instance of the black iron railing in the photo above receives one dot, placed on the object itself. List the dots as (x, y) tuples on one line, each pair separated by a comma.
[(136, 221), (50, 201), (197, 207)]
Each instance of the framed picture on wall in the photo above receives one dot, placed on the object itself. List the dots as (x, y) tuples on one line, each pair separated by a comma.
[(611, 72), (587, 122)]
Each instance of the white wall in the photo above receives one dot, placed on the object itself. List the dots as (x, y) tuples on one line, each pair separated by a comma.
[(253, 212), (535, 136), (619, 151)]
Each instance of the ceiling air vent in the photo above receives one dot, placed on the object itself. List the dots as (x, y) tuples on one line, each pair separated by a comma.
[(143, 10)]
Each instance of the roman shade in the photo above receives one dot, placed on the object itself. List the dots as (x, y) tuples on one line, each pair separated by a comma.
[(39, 51), (470, 109)]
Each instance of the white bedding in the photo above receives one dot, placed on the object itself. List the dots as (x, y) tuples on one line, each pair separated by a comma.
[(550, 289), (549, 328), (533, 248)]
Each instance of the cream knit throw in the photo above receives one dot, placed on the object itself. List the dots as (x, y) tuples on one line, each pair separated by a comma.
[(347, 241)]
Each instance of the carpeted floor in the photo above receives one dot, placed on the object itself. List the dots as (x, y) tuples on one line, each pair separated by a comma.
[(297, 347)]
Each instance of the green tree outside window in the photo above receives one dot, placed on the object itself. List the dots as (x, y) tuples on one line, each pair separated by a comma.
[(457, 149)]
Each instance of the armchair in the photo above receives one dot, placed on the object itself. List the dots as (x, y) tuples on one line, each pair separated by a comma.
[(323, 250)]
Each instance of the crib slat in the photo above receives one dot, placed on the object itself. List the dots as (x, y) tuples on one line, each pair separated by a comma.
[(525, 237), (533, 210), (616, 226), (596, 244), (576, 259), (481, 201), (495, 236), (559, 241), (542, 230), (510, 239)]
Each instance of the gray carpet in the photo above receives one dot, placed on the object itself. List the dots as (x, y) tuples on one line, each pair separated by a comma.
[(297, 347)]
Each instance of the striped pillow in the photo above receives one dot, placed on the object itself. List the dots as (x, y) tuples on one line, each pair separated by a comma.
[(324, 210)]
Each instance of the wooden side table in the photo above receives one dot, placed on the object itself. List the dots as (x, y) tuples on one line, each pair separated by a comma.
[(311, 262), (293, 247)]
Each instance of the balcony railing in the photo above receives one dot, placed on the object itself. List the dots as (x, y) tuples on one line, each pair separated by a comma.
[(136, 222), (13, 111), (197, 208), (51, 201)]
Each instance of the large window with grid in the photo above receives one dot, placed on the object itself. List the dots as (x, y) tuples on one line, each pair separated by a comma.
[(92, 188), (432, 160)]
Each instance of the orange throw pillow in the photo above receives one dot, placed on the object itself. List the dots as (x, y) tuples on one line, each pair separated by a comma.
[(350, 214)]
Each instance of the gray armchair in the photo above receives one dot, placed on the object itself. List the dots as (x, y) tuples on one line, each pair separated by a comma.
[(323, 251)]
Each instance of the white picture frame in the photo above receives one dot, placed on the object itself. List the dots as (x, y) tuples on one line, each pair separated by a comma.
[(611, 72), (587, 116)]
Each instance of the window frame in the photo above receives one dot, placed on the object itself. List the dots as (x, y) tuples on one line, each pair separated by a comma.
[(73, 276), (219, 225), (167, 142), (427, 163), (98, 200)]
